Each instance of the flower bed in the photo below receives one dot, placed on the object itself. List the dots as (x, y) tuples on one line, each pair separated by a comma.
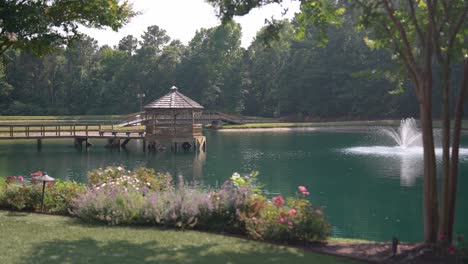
[(142, 197)]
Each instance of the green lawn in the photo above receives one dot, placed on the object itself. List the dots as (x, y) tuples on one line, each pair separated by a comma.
[(33, 238)]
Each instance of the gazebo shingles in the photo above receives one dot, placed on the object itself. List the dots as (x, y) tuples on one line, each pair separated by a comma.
[(174, 100)]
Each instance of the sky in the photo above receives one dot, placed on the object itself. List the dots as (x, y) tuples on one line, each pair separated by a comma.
[(182, 18)]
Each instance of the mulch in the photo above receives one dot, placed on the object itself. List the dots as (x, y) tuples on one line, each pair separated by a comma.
[(381, 252)]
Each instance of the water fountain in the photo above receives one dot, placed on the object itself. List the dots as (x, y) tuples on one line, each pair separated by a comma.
[(407, 150), (406, 135)]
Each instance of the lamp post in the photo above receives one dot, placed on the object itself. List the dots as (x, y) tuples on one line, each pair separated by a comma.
[(44, 178), (141, 96)]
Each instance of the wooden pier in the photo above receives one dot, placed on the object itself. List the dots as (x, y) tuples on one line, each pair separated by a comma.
[(80, 132)]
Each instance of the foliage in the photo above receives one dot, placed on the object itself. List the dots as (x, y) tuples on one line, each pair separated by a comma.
[(59, 196), (40, 26), (238, 206), (286, 77), (290, 221), (25, 194), (22, 197), (139, 178), (462, 246)]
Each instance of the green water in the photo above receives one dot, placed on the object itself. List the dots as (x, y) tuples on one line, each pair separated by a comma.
[(365, 196)]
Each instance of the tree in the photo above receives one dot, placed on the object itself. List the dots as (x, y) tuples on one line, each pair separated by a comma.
[(155, 37), (128, 43), (413, 31), (40, 26)]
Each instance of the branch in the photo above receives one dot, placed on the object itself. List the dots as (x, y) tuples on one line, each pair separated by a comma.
[(459, 23), (415, 20), (432, 8), (405, 61), (407, 47)]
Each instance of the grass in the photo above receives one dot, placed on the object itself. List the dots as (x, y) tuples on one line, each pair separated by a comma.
[(436, 124), (33, 238), (314, 124)]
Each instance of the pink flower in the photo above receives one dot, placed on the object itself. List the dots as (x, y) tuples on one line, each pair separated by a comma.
[(290, 223), (318, 212), (302, 189), (305, 193), (451, 249), (442, 237), (20, 178), (292, 211), (254, 219), (281, 220), (278, 200)]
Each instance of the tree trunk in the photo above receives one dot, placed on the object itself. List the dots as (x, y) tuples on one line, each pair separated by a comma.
[(452, 181), (444, 214), (430, 203)]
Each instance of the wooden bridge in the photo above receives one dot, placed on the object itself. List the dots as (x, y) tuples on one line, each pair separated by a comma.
[(208, 117)]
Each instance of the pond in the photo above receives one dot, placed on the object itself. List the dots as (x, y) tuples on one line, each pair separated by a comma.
[(366, 195)]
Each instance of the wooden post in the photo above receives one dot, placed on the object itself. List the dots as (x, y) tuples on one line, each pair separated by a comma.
[(39, 143), (11, 131), (86, 131)]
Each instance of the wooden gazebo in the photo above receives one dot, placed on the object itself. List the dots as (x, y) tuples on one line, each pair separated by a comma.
[(171, 119)]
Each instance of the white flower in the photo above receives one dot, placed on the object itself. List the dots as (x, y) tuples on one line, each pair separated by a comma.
[(119, 168), (235, 175)]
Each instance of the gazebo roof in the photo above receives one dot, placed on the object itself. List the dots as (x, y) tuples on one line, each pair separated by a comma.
[(174, 100)]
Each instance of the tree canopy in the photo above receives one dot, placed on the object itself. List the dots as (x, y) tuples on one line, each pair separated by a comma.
[(42, 25)]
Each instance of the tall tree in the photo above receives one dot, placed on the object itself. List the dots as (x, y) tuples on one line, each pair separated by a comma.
[(410, 30)]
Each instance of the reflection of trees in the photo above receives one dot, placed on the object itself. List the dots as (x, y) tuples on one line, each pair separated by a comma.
[(62, 161)]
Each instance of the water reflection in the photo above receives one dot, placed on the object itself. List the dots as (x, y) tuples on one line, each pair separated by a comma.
[(63, 161), (410, 169)]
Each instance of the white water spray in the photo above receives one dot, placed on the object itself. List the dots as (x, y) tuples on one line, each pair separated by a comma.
[(407, 135)]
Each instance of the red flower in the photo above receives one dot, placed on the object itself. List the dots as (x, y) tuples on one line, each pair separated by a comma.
[(278, 200), (451, 249), (292, 211), (281, 220), (36, 174), (20, 178)]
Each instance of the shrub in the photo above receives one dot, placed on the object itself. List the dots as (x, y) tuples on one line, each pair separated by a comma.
[(111, 205), (237, 207), (20, 194), (59, 196), (181, 207), (139, 178), (22, 197), (290, 221)]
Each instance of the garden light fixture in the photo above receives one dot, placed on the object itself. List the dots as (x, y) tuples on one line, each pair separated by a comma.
[(44, 178)]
